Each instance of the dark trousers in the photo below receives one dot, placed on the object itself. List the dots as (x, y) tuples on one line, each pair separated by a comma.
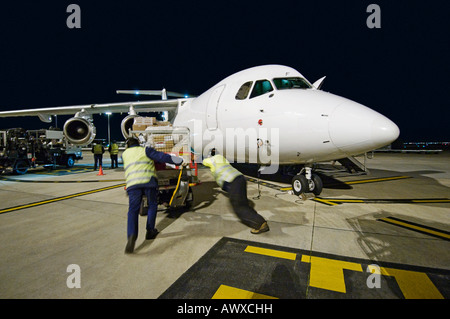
[(134, 200), (114, 160), (98, 160), (237, 191)]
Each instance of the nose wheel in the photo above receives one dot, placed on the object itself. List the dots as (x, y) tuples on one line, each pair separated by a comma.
[(306, 182), (299, 184)]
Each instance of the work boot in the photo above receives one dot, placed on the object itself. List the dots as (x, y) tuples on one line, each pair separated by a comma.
[(130, 244), (151, 234), (264, 227)]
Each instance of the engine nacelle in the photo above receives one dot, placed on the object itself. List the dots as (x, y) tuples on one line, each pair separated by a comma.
[(127, 124), (79, 130)]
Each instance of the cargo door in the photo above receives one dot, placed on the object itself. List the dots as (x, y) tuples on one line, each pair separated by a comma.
[(211, 110)]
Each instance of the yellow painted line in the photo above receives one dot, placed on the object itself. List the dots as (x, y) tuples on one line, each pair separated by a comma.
[(413, 284), (328, 273), (324, 201), (61, 182), (336, 201), (306, 259), (416, 227), (270, 252), (228, 292), (384, 179), (57, 199), (347, 200)]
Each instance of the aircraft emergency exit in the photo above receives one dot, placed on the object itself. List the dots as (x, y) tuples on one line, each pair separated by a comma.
[(282, 117)]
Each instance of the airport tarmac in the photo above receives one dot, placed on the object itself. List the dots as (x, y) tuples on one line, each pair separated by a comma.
[(383, 235)]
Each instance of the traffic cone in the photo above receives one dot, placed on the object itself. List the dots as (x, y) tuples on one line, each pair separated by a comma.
[(100, 171)]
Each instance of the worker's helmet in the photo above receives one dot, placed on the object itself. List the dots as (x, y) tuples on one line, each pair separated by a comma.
[(132, 142)]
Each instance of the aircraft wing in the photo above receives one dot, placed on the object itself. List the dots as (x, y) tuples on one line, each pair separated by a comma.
[(144, 106)]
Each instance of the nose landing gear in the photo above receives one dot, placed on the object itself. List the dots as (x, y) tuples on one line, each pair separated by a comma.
[(306, 182)]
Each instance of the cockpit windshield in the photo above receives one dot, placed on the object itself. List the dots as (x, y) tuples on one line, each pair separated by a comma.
[(291, 83)]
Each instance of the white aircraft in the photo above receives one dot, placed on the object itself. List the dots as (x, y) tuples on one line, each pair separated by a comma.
[(279, 112)]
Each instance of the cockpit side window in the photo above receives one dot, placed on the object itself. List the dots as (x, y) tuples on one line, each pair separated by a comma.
[(261, 87), (291, 83), (244, 90)]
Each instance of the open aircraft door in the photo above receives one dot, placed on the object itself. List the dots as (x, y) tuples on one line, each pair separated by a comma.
[(211, 111)]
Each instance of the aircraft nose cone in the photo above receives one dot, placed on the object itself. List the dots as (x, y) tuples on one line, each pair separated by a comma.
[(384, 132), (355, 128)]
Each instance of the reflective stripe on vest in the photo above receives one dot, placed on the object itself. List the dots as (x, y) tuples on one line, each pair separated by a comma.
[(221, 169), (139, 169)]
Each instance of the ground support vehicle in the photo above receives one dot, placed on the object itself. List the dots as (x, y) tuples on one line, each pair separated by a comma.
[(21, 149)]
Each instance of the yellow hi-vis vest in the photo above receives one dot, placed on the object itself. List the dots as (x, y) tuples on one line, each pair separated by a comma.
[(221, 169), (98, 149), (139, 169), (114, 149)]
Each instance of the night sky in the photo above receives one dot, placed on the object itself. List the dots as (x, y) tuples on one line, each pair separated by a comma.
[(401, 70)]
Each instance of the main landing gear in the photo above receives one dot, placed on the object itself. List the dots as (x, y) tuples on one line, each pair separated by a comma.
[(306, 182)]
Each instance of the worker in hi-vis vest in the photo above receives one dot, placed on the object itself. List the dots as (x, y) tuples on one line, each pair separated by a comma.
[(113, 150), (141, 179), (234, 183), (98, 151)]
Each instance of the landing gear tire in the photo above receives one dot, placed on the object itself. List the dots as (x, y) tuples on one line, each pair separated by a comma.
[(299, 184), (315, 185), (70, 162)]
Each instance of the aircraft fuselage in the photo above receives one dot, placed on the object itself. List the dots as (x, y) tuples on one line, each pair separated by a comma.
[(284, 126)]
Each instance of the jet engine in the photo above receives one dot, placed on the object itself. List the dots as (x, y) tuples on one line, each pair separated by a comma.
[(79, 130), (127, 124)]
